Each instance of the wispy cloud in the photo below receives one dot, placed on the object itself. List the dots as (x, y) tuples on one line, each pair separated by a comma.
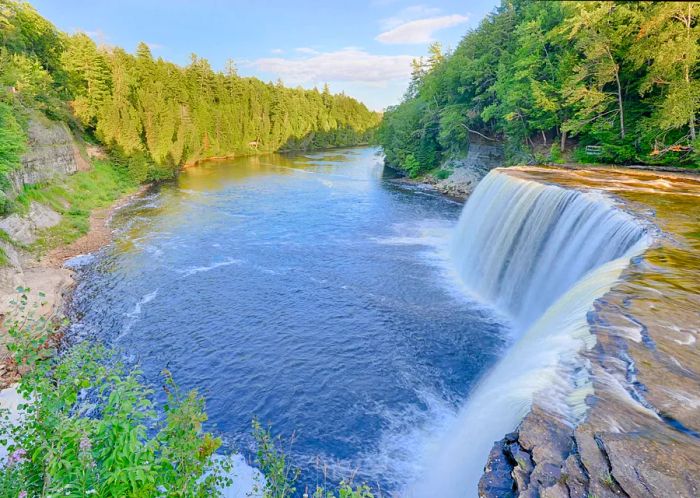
[(409, 14), (347, 65), (420, 31), (277, 51), (306, 50)]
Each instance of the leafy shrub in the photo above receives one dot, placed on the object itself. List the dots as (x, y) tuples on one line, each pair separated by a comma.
[(12, 144), (91, 429), (555, 154), (443, 174), (412, 166)]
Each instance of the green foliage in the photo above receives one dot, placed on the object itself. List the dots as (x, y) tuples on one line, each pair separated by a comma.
[(171, 115), (443, 174), (75, 197), (12, 144), (281, 477), (412, 166), (621, 75), (91, 429), (160, 114)]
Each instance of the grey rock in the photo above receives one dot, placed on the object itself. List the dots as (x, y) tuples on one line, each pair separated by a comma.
[(24, 229), (497, 481), (52, 153), (467, 172)]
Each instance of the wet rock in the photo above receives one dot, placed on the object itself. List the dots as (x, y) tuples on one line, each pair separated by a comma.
[(574, 477), (497, 481), (523, 465)]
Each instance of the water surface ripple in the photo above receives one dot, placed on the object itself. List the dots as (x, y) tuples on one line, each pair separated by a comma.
[(307, 291)]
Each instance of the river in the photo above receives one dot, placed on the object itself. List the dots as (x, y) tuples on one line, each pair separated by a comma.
[(308, 291)]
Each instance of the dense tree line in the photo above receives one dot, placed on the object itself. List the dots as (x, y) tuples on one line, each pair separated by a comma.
[(550, 78), (157, 115)]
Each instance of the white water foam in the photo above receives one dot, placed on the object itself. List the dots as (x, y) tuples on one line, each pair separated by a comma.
[(199, 269)]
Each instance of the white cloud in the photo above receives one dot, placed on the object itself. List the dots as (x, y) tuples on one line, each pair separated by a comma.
[(409, 14), (306, 50), (347, 65), (420, 30), (277, 51)]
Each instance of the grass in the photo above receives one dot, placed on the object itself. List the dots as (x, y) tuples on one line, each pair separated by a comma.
[(75, 197)]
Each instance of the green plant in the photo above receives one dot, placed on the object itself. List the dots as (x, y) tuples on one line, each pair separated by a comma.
[(555, 154), (412, 166), (281, 478), (443, 174), (608, 480), (90, 427)]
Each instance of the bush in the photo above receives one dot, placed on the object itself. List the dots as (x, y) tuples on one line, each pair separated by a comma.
[(91, 429), (443, 174), (412, 166), (13, 142)]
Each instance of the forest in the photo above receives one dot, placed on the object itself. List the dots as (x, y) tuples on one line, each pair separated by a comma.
[(153, 115), (613, 82)]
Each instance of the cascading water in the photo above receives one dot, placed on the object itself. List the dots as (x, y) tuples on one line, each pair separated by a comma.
[(521, 244), (542, 254)]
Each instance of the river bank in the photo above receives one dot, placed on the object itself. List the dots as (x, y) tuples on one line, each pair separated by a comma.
[(47, 274)]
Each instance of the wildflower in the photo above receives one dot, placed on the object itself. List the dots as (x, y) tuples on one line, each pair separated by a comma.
[(16, 457), (22, 494), (85, 444)]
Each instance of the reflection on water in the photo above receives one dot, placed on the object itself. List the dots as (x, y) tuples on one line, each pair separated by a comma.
[(306, 291)]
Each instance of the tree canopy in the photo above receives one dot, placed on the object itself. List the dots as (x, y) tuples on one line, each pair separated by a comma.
[(547, 77), (158, 115)]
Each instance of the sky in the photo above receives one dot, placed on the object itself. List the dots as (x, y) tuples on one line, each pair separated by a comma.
[(361, 47)]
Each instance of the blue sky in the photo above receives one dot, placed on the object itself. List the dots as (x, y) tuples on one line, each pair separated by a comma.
[(363, 48)]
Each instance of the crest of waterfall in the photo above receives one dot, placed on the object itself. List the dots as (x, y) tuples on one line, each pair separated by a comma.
[(543, 254), (521, 244)]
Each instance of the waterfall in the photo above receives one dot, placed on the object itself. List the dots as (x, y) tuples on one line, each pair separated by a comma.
[(542, 254), (521, 244)]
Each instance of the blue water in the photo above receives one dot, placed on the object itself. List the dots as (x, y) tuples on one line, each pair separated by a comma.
[(309, 291)]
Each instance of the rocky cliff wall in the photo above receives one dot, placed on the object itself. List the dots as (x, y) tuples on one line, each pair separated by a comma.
[(467, 172), (52, 152)]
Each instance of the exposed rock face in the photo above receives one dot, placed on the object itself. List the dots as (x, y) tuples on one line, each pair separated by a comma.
[(641, 434), (52, 153), (481, 158), (24, 229)]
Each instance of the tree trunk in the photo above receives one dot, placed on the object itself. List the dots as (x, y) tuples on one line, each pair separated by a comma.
[(562, 143), (691, 121), (619, 105), (619, 95)]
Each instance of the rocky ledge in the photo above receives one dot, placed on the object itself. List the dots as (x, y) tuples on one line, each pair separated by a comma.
[(641, 434)]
